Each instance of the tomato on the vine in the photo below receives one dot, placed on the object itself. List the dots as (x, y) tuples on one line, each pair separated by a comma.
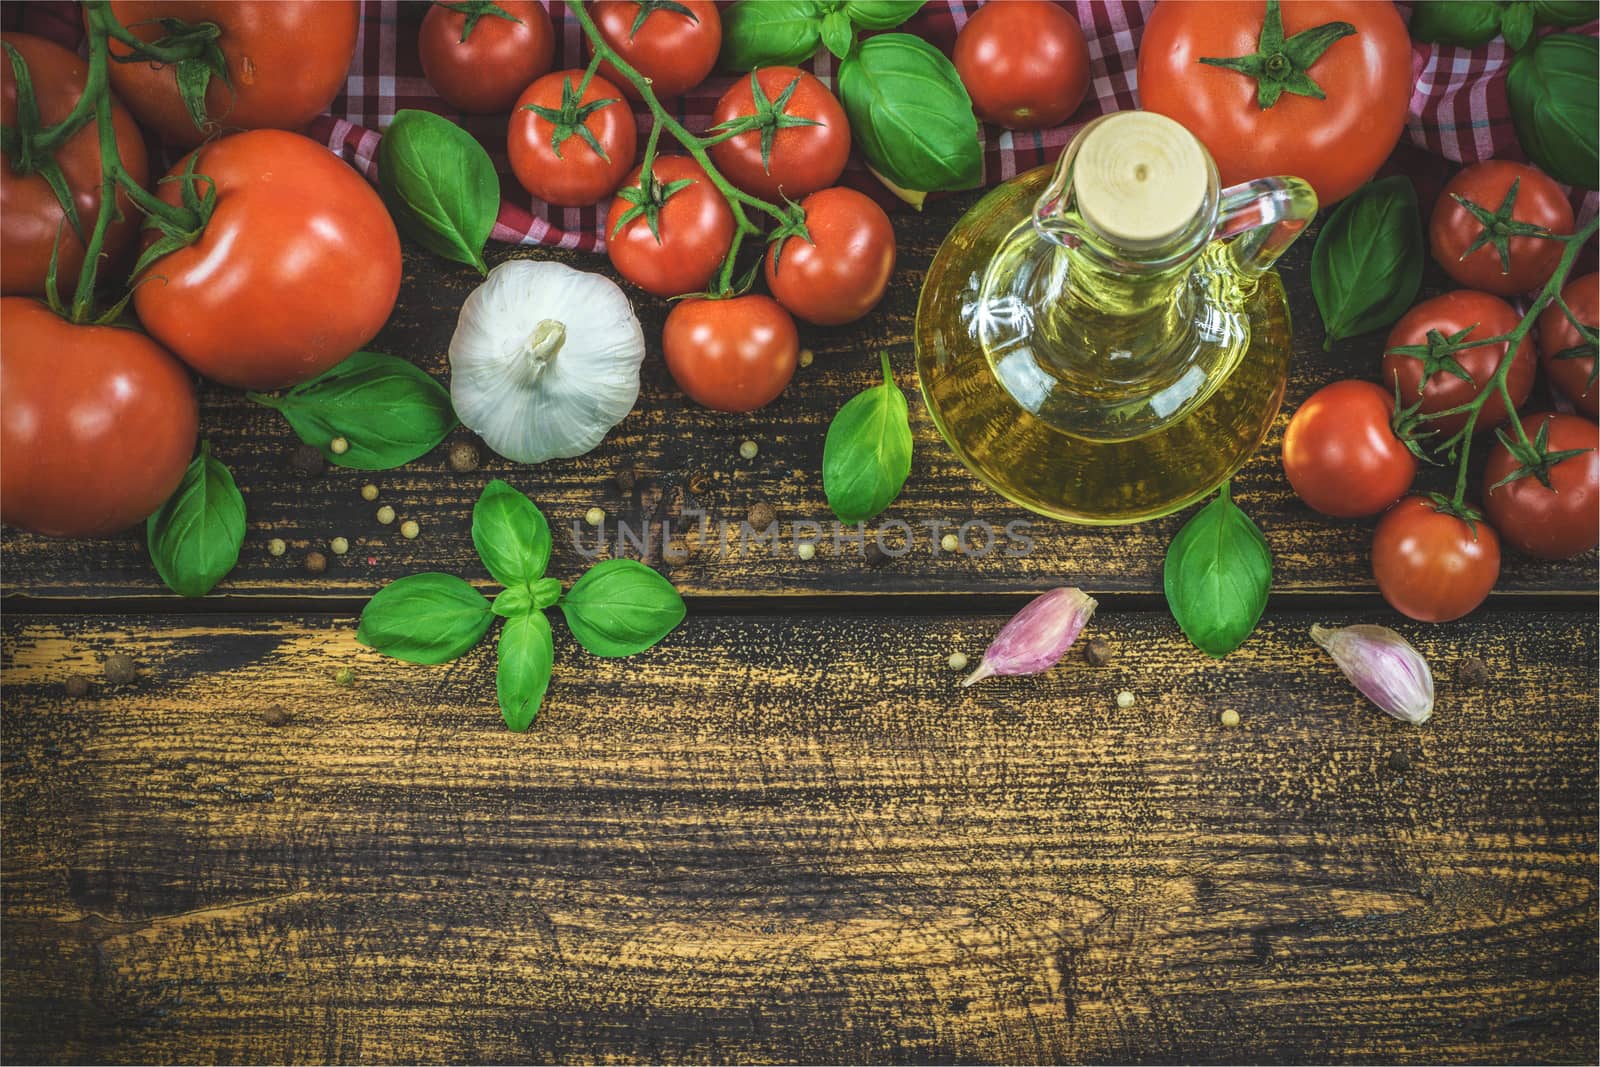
[(1443, 380), (669, 236), (1025, 63), (731, 355), (778, 155), (840, 273), (1554, 521), (286, 60), (30, 212), (1431, 565), (674, 43), (479, 56), (1568, 359), (1341, 452), (97, 423), (1190, 62), (570, 150), (298, 267), (1500, 260)]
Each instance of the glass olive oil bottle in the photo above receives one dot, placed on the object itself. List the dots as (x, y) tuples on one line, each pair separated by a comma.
[(1107, 344)]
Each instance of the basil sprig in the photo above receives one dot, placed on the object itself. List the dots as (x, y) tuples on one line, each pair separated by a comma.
[(1217, 576), (1467, 23), (880, 14), (387, 411), (439, 184), (866, 457), (1367, 263), (195, 537), (1552, 88), (618, 608), (910, 114), (766, 33)]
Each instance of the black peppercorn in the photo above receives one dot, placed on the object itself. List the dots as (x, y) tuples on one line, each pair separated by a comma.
[(306, 461), (120, 669), (77, 686), (316, 562), (277, 715), (463, 457), (1473, 671), (1098, 651)]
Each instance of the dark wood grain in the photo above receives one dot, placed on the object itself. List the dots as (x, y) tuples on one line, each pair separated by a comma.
[(684, 454), (795, 839)]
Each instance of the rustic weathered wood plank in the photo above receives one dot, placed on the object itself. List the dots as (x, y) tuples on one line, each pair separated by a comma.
[(795, 839), (681, 452)]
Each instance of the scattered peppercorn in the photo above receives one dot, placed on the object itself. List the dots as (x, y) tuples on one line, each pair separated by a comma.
[(958, 661), (949, 542), (339, 545), (120, 669), (762, 515), (1399, 761), (277, 547), (463, 457), (409, 529), (77, 686), (875, 555), (748, 450), (345, 676), (625, 478), (386, 514), (306, 460), (1473, 671), (806, 357), (316, 562), (339, 446), (1098, 651), (807, 550), (277, 715), (594, 516), (369, 492), (1125, 699), (1230, 718)]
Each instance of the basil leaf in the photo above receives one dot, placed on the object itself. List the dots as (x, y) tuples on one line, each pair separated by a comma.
[(545, 591), (866, 457), (1516, 24), (1367, 263), (388, 411), (439, 184), (621, 607), (510, 534), (880, 14), (837, 33), (1467, 23), (910, 114), (1553, 89), (194, 538), (517, 600), (425, 618), (766, 33), (522, 674), (1217, 576), (1563, 12)]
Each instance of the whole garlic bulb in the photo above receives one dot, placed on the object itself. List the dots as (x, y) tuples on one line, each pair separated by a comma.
[(545, 360)]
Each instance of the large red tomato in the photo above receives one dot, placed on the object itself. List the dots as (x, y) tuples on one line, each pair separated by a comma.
[(1024, 62), (1557, 521), (1341, 454), (1529, 260), (778, 156), (1430, 564), (97, 423), (694, 225), (482, 67), (841, 272), (287, 60), (30, 213), (1432, 379), (731, 355), (673, 49), (1567, 359), (567, 170), (1336, 143), (298, 267)]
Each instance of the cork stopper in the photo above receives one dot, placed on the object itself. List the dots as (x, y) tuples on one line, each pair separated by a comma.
[(1139, 178)]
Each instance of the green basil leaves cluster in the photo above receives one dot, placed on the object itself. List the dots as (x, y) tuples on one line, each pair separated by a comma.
[(439, 184), (195, 537), (1217, 576), (618, 608), (1367, 265), (866, 458), (908, 110), (1469, 23), (1554, 89), (386, 410)]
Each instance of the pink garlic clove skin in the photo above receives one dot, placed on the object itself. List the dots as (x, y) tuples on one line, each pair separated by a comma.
[(1038, 636), (1387, 670)]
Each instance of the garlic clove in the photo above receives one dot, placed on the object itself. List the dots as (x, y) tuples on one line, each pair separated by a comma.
[(1383, 666), (1037, 636)]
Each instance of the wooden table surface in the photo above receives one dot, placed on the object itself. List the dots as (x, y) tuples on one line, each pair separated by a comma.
[(785, 833)]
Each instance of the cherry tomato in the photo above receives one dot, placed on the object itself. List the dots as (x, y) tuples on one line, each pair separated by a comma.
[(1025, 63), (578, 175), (1573, 375), (841, 272), (675, 51), (801, 159), (695, 225), (1341, 454), (1431, 565), (1453, 228), (482, 70), (1556, 522), (287, 60), (1336, 143), (298, 267), (1485, 316), (97, 423), (731, 355), (30, 213)]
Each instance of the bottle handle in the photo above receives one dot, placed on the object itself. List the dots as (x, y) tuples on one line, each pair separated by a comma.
[(1264, 217)]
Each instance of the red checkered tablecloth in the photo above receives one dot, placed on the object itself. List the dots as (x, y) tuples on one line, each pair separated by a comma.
[(1458, 108)]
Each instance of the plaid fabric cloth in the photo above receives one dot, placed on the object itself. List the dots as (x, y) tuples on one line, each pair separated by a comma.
[(1458, 107)]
